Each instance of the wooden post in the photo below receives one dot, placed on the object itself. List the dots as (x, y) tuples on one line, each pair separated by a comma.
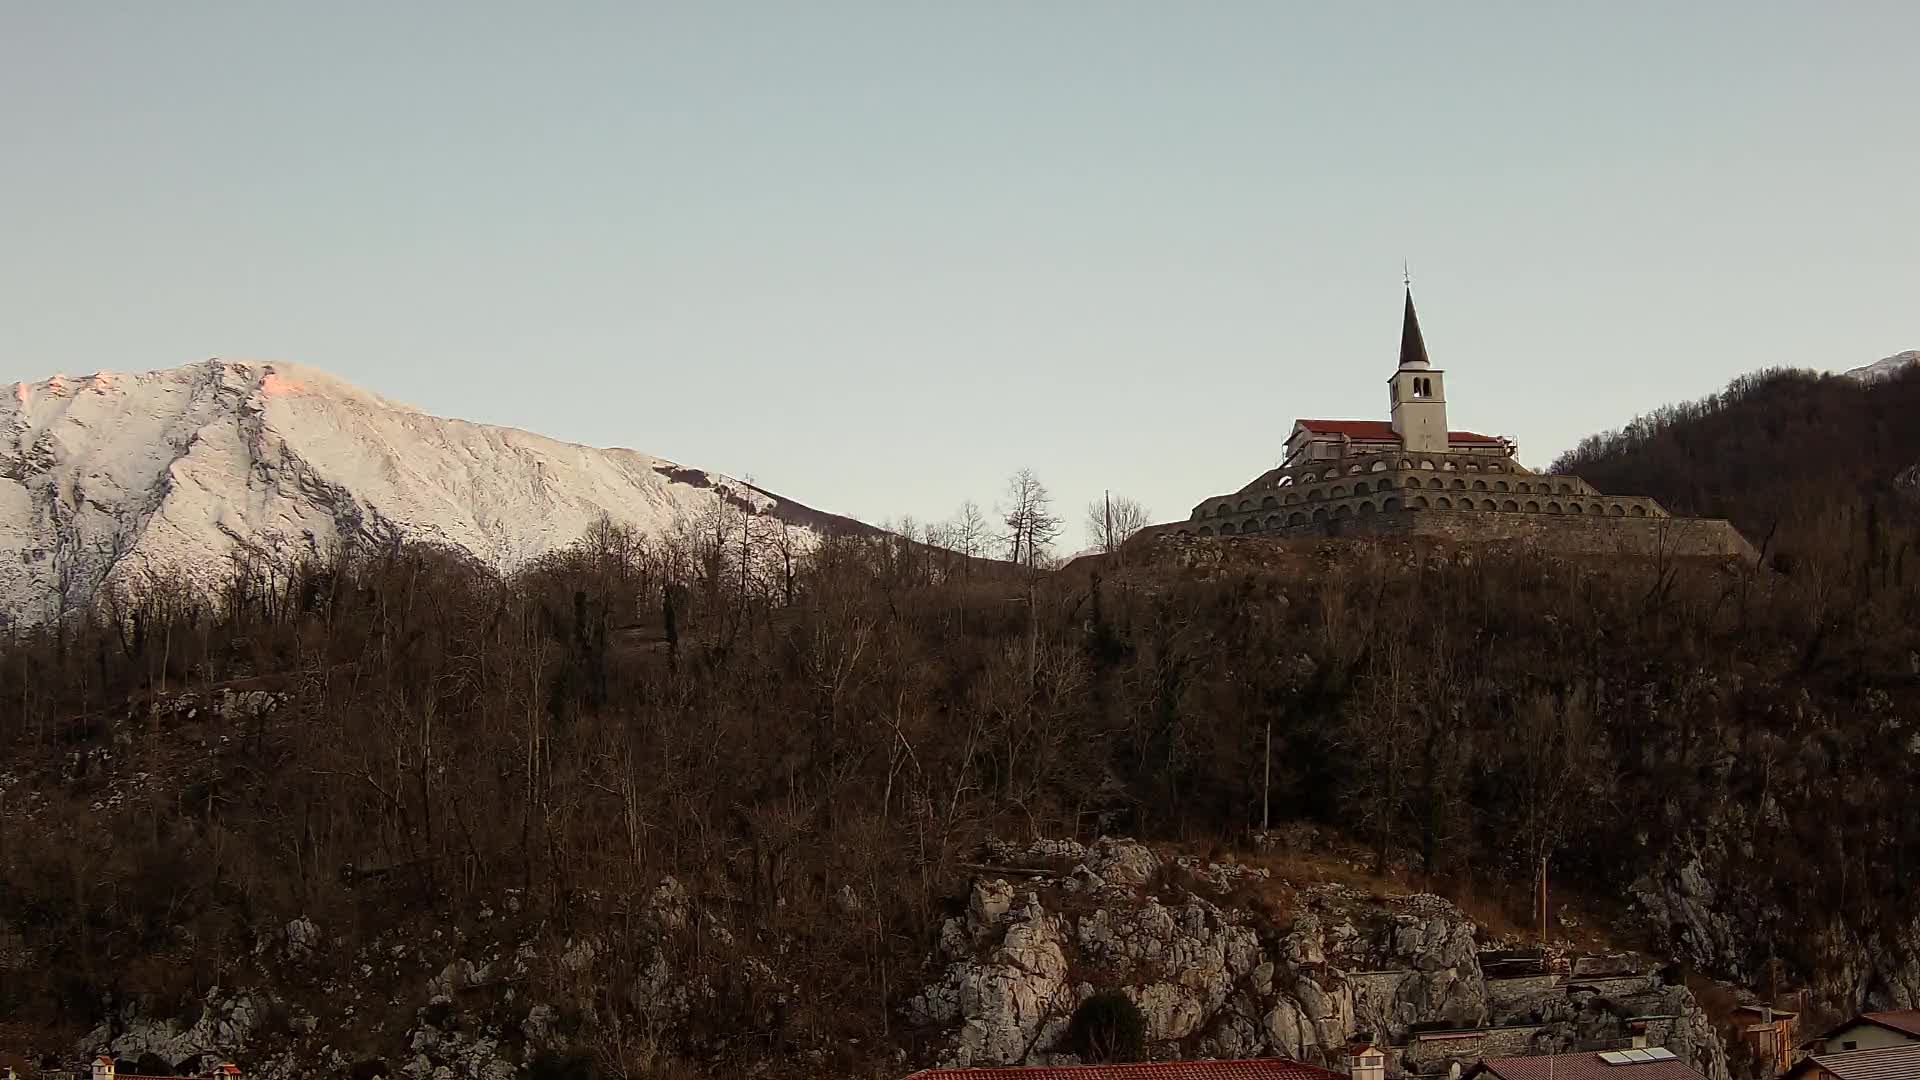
[(1266, 782), (1543, 900)]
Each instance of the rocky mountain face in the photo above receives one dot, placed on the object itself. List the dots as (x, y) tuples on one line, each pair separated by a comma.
[(1214, 972), (1867, 959), (115, 480), (1213, 979)]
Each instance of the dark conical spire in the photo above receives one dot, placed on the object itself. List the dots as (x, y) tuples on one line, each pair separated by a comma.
[(1413, 348)]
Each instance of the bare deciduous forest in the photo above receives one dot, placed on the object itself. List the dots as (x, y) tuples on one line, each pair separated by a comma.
[(815, 741)]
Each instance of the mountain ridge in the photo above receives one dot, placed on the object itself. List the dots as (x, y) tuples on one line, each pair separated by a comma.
[(113, 479), (1885, 368)]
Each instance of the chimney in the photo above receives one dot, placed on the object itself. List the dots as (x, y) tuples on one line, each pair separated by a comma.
[(1639, 1033), (103, 1068), (1365, 1061)]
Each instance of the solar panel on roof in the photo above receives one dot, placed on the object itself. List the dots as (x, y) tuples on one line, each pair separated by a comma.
[(1637, 1056)]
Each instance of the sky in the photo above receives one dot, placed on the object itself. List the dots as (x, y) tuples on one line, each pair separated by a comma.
[(878, 256)]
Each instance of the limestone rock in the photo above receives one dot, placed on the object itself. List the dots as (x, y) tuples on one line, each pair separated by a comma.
[(302, 938), (1002, 1002), (987, 905), (1122, 861), (1686, 899), (538, 1026), (1172, 1012)]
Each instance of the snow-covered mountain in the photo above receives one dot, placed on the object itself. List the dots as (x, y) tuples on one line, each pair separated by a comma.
[(109, 478), (1882, 369)]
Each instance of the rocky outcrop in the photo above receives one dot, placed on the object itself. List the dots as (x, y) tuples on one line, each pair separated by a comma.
[(1006, 978), (1683, 899), (1219, 981), (1221, 960), (227, 1023), (459, 991), (1705, 925)]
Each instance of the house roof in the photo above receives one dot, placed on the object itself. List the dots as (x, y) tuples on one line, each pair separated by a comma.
[(1582, 1066), (1907, 1020), (1382, 430), (1900, 1062), (1904, 1021), (1255, 1069)]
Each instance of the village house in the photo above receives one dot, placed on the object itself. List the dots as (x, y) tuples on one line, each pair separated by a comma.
[(1900, 1061), (1768, 1033), (104, 1068), (1870, 1031)]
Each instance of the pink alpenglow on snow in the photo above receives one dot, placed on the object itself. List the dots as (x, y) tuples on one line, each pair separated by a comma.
[(274, 384)]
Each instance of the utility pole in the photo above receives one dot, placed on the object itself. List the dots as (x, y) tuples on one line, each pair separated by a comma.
[(1543, 900), (1266, 782)]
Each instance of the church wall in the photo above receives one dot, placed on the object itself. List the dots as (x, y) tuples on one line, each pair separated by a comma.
[(1298, 482)]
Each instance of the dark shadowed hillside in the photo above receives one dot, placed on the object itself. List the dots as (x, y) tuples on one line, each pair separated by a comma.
[(1811, 460)]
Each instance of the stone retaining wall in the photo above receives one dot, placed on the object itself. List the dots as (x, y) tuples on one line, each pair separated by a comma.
[(1583, 535), (1587, 536)]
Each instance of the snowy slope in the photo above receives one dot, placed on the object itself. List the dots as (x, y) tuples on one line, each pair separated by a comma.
[(1887, 368), (108, 478)]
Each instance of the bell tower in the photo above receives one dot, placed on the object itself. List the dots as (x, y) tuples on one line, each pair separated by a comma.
[(1419, 406)]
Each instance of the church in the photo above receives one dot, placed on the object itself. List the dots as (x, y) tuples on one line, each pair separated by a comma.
[(1412, 474)]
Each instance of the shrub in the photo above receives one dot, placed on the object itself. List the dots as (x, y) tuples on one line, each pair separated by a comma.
[(554, 1065), (1108, 1027)]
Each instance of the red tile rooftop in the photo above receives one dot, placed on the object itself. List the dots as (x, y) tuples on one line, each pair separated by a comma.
[(1582, 1066), (1907, 1020), (1255, 1069), (1383, 430)]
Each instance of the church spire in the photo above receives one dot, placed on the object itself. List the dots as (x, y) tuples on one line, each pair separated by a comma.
[(1413, 348)]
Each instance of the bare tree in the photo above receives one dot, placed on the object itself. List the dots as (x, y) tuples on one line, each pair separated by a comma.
[(969, 531), (1114, 520), (1032, 526)]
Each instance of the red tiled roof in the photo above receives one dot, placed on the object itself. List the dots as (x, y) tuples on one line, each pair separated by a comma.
[(1585, 1066), (1900, 1062), (1257, 1069), (1382, 430), (1907, 1020)]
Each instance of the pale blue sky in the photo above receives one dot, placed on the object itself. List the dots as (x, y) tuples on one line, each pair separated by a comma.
[(880, 255)]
